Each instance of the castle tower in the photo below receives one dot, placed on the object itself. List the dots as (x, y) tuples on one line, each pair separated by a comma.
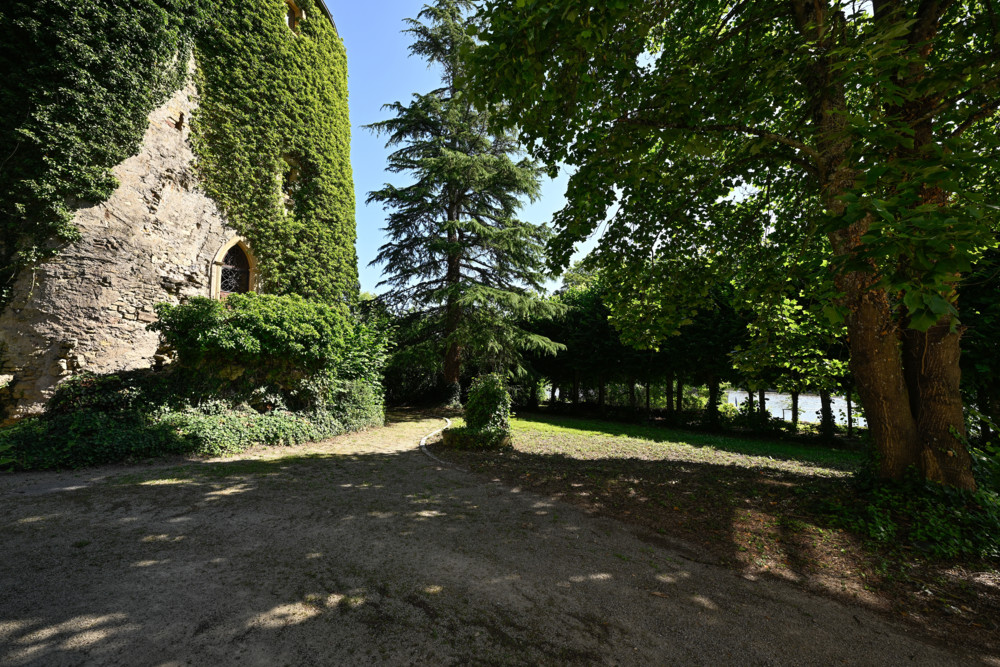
[(166, 235)]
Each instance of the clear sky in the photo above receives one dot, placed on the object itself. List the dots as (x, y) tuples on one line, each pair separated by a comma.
[(380, 71)]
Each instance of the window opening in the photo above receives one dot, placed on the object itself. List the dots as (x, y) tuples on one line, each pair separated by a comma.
[(290, 182), (235, 272), (294, 14)]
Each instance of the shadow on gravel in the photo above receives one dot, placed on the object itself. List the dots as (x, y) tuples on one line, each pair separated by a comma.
[(386, 558), (268, 561), (762, 520)]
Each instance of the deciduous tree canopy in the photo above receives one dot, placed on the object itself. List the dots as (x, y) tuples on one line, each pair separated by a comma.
[(855, 142)]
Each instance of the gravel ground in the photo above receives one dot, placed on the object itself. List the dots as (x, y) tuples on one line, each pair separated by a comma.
[(363, 550)]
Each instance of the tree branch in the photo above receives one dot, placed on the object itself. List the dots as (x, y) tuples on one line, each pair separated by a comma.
[(711, 128), (986, 110)]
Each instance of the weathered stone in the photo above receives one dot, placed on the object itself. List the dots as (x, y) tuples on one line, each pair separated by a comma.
[(154, 240)]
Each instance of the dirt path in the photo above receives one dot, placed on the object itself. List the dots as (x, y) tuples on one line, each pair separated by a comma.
[(363, 550)]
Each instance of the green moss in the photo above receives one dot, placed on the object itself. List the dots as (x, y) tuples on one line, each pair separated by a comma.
[(80, 78)]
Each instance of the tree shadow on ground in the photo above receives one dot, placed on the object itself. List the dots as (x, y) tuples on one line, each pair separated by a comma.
[(763, 521), (368, 556), (303, 559)]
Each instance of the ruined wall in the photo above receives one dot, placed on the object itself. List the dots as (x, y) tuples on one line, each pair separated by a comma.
[(153, 240)]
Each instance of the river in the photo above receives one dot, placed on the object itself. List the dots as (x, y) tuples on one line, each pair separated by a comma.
[(780, 405)]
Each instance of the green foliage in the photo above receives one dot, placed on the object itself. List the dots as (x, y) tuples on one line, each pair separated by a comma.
[(488, 405), (939, 521), (456, 253), (306, 351), (262, 329), (699, 135), (91, 437), (272, 135), (80, 78), (253, 369), (852, 145), (487, 416)]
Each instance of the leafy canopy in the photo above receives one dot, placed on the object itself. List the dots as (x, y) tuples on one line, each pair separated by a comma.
[(702, 122)]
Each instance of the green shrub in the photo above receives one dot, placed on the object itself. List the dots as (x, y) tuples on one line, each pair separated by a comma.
[(488, 406), (942, 522), (278, 334), (253, 370), (487, 415), (87, 437)]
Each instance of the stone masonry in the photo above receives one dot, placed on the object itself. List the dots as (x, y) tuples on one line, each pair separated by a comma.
[(154, 240)]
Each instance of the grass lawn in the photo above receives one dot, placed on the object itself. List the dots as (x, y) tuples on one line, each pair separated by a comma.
[(761, 507)]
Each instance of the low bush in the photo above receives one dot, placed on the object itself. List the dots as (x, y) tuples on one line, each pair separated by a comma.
[(941, 522), (487, 416), (252, 370), (488, 405)]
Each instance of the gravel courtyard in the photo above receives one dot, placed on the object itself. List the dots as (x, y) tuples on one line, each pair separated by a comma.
[(363, 550)]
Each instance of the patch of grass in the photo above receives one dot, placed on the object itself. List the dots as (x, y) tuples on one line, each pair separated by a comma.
[(598, 439)]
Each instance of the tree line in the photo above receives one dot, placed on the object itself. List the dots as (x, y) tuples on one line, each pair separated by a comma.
[(832, 164)]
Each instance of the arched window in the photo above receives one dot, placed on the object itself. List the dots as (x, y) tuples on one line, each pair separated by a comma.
[(235, 272), (295, 14)]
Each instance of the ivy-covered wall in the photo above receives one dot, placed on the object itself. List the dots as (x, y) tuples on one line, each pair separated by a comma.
[(79, 78), (273, 138)]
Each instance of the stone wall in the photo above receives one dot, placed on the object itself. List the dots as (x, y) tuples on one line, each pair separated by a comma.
[(87, 309)]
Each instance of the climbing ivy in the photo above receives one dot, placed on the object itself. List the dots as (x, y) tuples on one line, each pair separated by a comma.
[(79, 78), (273, 141)]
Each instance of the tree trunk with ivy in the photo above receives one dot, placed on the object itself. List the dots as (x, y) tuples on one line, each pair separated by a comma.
[(908, 379)]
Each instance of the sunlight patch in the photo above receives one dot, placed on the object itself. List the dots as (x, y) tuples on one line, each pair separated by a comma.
[(285, 615)]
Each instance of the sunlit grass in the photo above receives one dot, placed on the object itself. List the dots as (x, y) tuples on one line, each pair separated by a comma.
[(587, 438)]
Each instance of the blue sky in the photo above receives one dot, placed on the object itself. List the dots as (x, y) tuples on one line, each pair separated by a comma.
[(380, 71)]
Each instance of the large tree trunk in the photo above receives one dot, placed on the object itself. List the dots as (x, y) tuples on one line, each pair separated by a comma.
[(669, 390), (751, 411), (576, 389), (648, 406), (762, 406), (680, 394), (453, 319), (908, 382), (601, 390), (633, 401), (933, 378)]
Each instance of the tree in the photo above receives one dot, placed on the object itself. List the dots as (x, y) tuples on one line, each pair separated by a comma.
[(456, 252), (878, 117), (981, 350)]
